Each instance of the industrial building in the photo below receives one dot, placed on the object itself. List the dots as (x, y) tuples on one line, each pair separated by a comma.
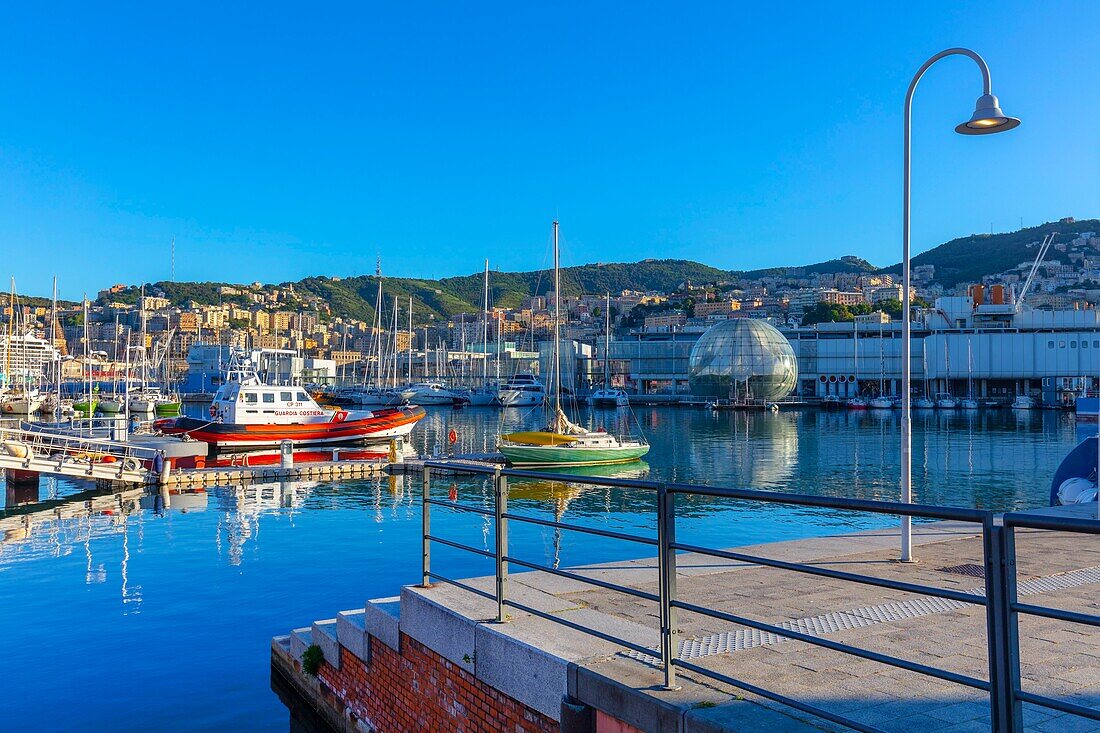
[(962, 346)]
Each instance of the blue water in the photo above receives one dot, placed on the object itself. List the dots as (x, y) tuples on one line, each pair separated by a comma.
[(143, 618)]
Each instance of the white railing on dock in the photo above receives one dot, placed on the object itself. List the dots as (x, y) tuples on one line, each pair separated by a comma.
[(74, 455)]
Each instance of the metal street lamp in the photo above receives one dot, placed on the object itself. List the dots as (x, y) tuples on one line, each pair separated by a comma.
[(987, 119)]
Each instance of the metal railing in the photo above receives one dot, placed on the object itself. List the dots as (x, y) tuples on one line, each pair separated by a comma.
[(65, 449), (1000, 599)]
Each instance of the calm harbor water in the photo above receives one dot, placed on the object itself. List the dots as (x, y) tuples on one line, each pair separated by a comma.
[(136, 617)]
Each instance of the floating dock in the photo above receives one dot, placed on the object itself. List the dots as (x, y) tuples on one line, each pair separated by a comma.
[(227, 475)]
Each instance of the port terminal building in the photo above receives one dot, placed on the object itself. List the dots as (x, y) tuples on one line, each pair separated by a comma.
[(961, 346)]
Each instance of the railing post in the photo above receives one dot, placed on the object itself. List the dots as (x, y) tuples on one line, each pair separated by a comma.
[(1002, 632), (500, 491), (666, 572), (426, 526)]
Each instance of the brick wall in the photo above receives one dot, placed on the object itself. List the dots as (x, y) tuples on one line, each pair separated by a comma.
[(418, 690)]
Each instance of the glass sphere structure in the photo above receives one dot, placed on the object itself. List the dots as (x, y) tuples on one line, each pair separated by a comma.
[(743, 358)]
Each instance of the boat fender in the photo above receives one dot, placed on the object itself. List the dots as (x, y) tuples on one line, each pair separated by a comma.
[(15, 449), (158, 464), (1076, 490)]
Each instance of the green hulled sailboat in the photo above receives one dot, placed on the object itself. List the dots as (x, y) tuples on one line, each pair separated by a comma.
[(563, 443)]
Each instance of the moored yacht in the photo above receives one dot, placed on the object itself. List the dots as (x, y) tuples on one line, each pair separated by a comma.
[(609, 397), (1023, 402), (522, 390), (431, 393)]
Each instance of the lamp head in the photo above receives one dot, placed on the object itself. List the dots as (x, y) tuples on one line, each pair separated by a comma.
[(987, 118)]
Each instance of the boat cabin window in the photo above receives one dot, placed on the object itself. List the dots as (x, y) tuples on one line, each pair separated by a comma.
[(286, 396), (250, 398), (302, 397), (269, 398)]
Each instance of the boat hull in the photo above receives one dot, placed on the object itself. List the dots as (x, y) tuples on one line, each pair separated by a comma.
[(380, 426), (509, 398), (557, 456)]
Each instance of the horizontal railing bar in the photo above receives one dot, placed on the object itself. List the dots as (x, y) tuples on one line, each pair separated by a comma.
[(954, 595), (924, 669), (1057, 613), (1060, 705), (926, 511), (1054, 523), (582, 579), (460, 507), (578, 528), (460, 546), (777, 697), (544, 475), (463, 586), (583, 629)]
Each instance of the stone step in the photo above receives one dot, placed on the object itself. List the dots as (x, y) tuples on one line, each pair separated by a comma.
[(300, 639), (324, 636), (382, 619), (351, 632)]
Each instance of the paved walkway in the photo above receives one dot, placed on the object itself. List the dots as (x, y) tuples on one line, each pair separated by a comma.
[(1058, 659)]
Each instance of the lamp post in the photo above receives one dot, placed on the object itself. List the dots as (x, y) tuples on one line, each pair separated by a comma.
[(987, 119)]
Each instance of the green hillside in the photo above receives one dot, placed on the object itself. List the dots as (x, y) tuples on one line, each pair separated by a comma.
[(848, 263), (967, 259)]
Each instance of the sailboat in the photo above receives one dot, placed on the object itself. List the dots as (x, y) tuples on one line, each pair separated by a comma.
[(608, 396), (857, 402), (969, 403), (21, 398), (924, 402), (86, 406), (562, 442), (484, 394), (881, 402)]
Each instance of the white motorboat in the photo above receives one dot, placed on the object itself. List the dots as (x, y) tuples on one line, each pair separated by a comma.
[(881, 403), (431, 393), (968, 404), (609, 397), (479, 396), (1023, 402), (924, 403), (946, 402), (522, 390)]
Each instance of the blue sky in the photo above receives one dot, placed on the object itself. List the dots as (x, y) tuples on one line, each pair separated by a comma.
[(273, 144)]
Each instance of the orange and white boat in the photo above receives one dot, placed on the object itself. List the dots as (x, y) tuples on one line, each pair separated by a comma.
[(247, 413)]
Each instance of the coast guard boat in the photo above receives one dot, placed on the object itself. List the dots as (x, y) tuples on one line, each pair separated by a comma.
[(248, 413)]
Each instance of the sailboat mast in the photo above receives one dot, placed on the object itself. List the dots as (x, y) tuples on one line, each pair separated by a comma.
[(87, 354), (485, 328), (7, 346), (557, 327), (144, 341), (607, 343), (53, 345), (410, 339), (396, 316)]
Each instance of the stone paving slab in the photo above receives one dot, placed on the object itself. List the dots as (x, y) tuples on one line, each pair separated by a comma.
[(1058, 659)]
